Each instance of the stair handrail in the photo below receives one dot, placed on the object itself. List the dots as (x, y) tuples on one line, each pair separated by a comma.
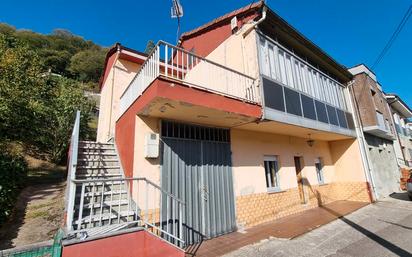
[(80, 181), (71, 172), (173, 224)]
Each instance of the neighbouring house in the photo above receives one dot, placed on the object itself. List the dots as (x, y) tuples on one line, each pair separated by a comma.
[(403, 144), (378, 130), (243, 122)]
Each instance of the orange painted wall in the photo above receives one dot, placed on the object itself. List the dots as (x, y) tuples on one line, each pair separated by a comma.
[(125, 125), (136, 244)]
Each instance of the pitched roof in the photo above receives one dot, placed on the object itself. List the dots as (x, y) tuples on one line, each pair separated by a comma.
[(246, 9)]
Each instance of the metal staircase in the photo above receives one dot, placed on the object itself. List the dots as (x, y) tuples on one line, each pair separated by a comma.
[(102, 197), (100, 200)]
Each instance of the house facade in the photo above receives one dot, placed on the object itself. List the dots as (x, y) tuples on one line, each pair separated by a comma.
[(378, 130), (246, 121), (401, 113)]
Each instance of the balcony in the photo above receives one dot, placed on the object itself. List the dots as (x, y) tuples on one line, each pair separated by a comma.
[(184, 86), (402, 131), (381, 129), (298, 93)]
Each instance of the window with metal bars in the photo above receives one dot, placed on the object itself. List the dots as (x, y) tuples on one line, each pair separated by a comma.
[(195, 132), (272, 172), (319, 170)]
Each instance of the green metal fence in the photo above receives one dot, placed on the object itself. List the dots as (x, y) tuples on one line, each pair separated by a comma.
[(54, 249)]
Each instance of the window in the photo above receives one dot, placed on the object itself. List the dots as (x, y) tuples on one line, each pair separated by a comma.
[(272, 173), (319, 170)]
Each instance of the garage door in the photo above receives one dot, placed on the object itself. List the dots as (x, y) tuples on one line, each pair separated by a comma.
[(196, 167)]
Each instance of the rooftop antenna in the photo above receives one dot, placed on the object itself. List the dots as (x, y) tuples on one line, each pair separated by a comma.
[(177, 12)]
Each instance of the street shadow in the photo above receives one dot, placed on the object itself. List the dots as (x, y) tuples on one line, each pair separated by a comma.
[(396, 224), (400, 196), (369, 234)]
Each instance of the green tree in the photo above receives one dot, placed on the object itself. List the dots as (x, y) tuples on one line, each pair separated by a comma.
[(149, 46), (37, 108), (87, 65), (6, 29), (21, 88), (69, 98)]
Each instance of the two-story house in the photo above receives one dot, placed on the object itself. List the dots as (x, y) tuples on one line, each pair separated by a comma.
[(245, 121)]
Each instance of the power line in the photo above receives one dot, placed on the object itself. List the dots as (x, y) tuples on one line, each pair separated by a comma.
[(394, 36)]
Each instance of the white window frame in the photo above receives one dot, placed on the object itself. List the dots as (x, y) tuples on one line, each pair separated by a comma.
[(269, 186), (320, 171)]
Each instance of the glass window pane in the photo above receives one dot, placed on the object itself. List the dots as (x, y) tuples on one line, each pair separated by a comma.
[(272, 62), (289, 70), (271, 172), (282, 67), (264, 66)]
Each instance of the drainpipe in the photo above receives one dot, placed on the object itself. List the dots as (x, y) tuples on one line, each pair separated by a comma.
[(256, 23), (367, 167)]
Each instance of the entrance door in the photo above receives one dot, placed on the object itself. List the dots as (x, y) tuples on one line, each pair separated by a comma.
[(299, 177), (196, 167)]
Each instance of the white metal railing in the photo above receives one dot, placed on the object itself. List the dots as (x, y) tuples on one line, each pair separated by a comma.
[(71, 172), (184, 66), (282, 65), (105, 202)]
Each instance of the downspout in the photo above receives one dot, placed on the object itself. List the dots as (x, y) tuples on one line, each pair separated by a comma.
[(247, 32), (256, 23), (362, 146)]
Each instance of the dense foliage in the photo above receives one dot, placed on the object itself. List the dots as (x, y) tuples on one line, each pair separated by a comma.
[(63, 53), (13, 171), (36, 107), (42, 84)]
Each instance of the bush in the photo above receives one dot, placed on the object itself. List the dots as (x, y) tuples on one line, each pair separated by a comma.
[(13, 172)]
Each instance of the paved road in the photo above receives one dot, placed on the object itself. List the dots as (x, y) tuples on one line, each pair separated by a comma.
[(377, 230)]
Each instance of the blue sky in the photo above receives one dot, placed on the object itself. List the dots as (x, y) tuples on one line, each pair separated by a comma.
[(351, 31)]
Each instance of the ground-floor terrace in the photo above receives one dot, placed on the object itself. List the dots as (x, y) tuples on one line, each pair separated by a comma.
[(232, 170)]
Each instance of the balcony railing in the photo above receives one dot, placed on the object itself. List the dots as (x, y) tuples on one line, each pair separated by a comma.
[(285, 67), (382, 123), (188, 68)]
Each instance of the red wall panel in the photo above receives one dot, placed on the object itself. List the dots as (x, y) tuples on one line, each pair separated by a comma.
[(135, 244)]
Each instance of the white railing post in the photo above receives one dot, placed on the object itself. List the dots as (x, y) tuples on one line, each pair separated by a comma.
[(201, 72), (71, 187)]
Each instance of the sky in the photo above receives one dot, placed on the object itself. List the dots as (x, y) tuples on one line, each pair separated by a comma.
[(351, 31)]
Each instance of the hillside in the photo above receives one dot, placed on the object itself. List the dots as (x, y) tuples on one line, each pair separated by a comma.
[(64, 53)]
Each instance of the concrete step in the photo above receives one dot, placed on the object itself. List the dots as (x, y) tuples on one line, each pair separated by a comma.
[(109, 228), (94, 145), (100, 172), (114, 185), (97, 155), (98, 175), (96, 159), (114, 192), (94, 220), (97, 204), (97, 167), (99, 163), (107, 196)]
